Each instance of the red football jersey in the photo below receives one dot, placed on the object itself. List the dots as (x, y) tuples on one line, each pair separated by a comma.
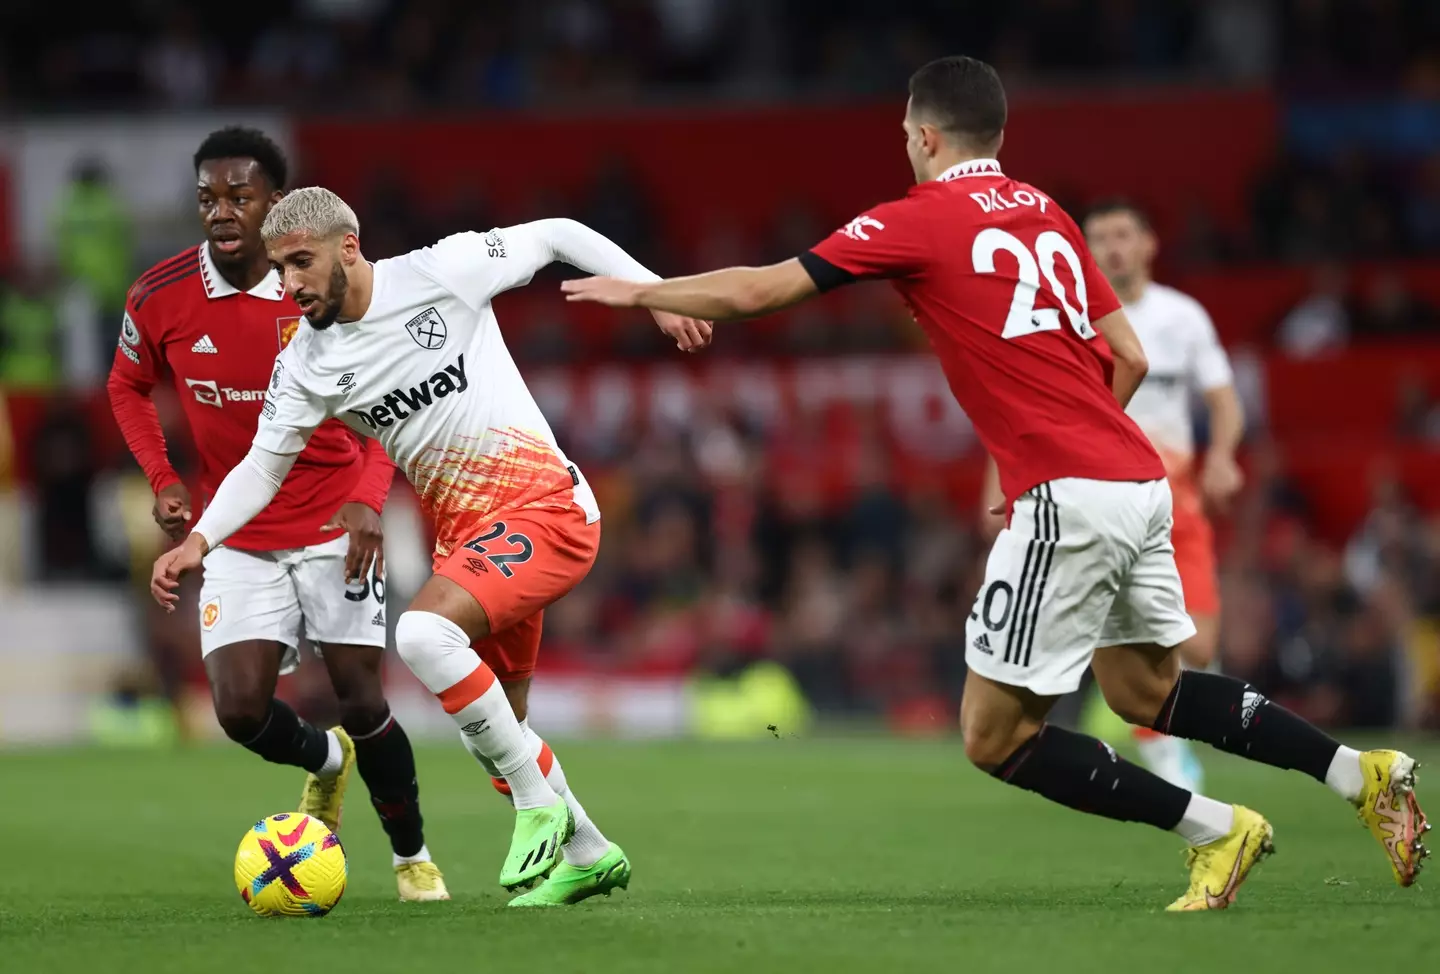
[(1002, 282), (220, 345)]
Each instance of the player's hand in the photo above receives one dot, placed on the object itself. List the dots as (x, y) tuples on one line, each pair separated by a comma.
[(690, 334), (1220, 480), (609, 291), (367, 540), (165, 578), (172, 511)]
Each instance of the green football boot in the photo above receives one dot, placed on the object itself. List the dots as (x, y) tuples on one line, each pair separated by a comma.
[(570, 884), (535, 846)]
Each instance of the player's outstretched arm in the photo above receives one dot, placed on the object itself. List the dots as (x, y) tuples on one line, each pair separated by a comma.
[(246, 491), (736, 292), (1130, 362)]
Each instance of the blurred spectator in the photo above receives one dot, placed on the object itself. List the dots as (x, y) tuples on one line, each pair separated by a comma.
[(1321, 322), (1417, 412), (63, 457), (95, 246), (1391, 310), (180, 64), (29, 338)]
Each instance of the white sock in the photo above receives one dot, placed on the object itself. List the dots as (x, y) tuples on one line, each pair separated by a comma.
[(438, 653), (588, 843), (1345, 777), (334, 759), (1205, 820), (422, 856)]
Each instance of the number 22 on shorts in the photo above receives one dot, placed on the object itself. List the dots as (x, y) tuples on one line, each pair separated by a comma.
[(522, 548)]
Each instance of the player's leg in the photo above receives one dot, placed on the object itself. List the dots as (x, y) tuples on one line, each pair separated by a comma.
[(592, 863), (1173, 758), (434, 639), (348, 623), (1234, 717), (1141, 677), (249, 627), (1051, 581)]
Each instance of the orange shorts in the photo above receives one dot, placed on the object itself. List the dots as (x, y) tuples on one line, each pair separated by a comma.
[(1194, 542), (515, 565)]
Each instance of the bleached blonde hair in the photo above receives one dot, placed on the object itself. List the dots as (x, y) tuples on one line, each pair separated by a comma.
[(310, 209)]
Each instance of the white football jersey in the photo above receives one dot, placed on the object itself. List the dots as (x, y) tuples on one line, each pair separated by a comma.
[(1185, 357), (426, 372)]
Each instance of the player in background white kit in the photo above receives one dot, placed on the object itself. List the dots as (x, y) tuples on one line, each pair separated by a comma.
[(1186, 358), (408, 351)]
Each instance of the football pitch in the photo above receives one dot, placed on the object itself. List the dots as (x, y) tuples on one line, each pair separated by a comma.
[(831, 855)]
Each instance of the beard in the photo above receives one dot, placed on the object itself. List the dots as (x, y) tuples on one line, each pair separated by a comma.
[(329, 311)]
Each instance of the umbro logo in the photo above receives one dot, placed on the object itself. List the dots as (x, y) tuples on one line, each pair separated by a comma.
[(475, 727), (475, 566), (204, 346), (379, 619), (346, 379), (982, 644)]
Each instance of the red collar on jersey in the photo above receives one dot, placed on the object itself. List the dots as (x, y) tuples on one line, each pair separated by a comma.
[(972, 167), (270, 288)]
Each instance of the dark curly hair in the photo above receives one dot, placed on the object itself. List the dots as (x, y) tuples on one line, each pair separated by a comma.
[(238, 142)]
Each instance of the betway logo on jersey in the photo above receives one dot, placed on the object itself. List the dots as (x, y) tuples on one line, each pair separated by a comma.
[(211, 393), (403, 403)]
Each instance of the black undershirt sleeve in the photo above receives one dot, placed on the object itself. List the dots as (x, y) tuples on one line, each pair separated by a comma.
[(827, 276)]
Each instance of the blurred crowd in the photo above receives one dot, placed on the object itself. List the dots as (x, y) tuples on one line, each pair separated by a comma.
[(397, 54), (720, 546)]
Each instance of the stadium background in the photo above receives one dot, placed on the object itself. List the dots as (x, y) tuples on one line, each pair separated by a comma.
[(798, 508)]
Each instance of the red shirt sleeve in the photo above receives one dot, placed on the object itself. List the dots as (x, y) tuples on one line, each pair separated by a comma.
[(886, 241), (133, 374), (376, 477)]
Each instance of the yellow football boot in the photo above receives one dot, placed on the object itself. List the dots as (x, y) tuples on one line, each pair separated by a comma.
[(420, 882), (1218, 868), (322, 798), (1387, 807)]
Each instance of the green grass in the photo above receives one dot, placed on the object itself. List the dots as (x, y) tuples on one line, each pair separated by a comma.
[(787, 855)]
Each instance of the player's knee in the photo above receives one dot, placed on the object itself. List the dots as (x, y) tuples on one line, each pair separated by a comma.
[(241, 712), (417, 637)]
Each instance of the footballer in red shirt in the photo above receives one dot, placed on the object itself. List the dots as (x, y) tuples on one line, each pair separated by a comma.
[(215, 316), (1040, 355)]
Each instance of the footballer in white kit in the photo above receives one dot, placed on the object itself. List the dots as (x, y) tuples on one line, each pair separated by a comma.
[(1186, 359), (408, 351)]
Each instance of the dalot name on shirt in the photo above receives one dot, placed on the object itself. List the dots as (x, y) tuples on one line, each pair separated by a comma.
[(994, 200)]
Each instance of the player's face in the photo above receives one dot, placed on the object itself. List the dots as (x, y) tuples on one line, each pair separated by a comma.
[(314, 273), (1122, 246), (233, 197)]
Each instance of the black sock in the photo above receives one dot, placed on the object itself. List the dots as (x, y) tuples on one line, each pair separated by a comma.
[(387, 764), (1231, 715), (1087, 775), (286, 739)]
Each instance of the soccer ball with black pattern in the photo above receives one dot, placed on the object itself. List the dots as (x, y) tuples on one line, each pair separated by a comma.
[(290, 865)]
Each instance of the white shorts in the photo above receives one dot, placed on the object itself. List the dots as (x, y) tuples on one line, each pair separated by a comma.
[(1083, 563), (282, 595)]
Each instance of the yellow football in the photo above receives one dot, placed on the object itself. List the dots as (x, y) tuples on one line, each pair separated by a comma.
[(290, 865)]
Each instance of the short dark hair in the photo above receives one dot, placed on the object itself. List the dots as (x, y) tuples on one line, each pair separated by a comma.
[(238, 142), (963, 97), (1111, 205)]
